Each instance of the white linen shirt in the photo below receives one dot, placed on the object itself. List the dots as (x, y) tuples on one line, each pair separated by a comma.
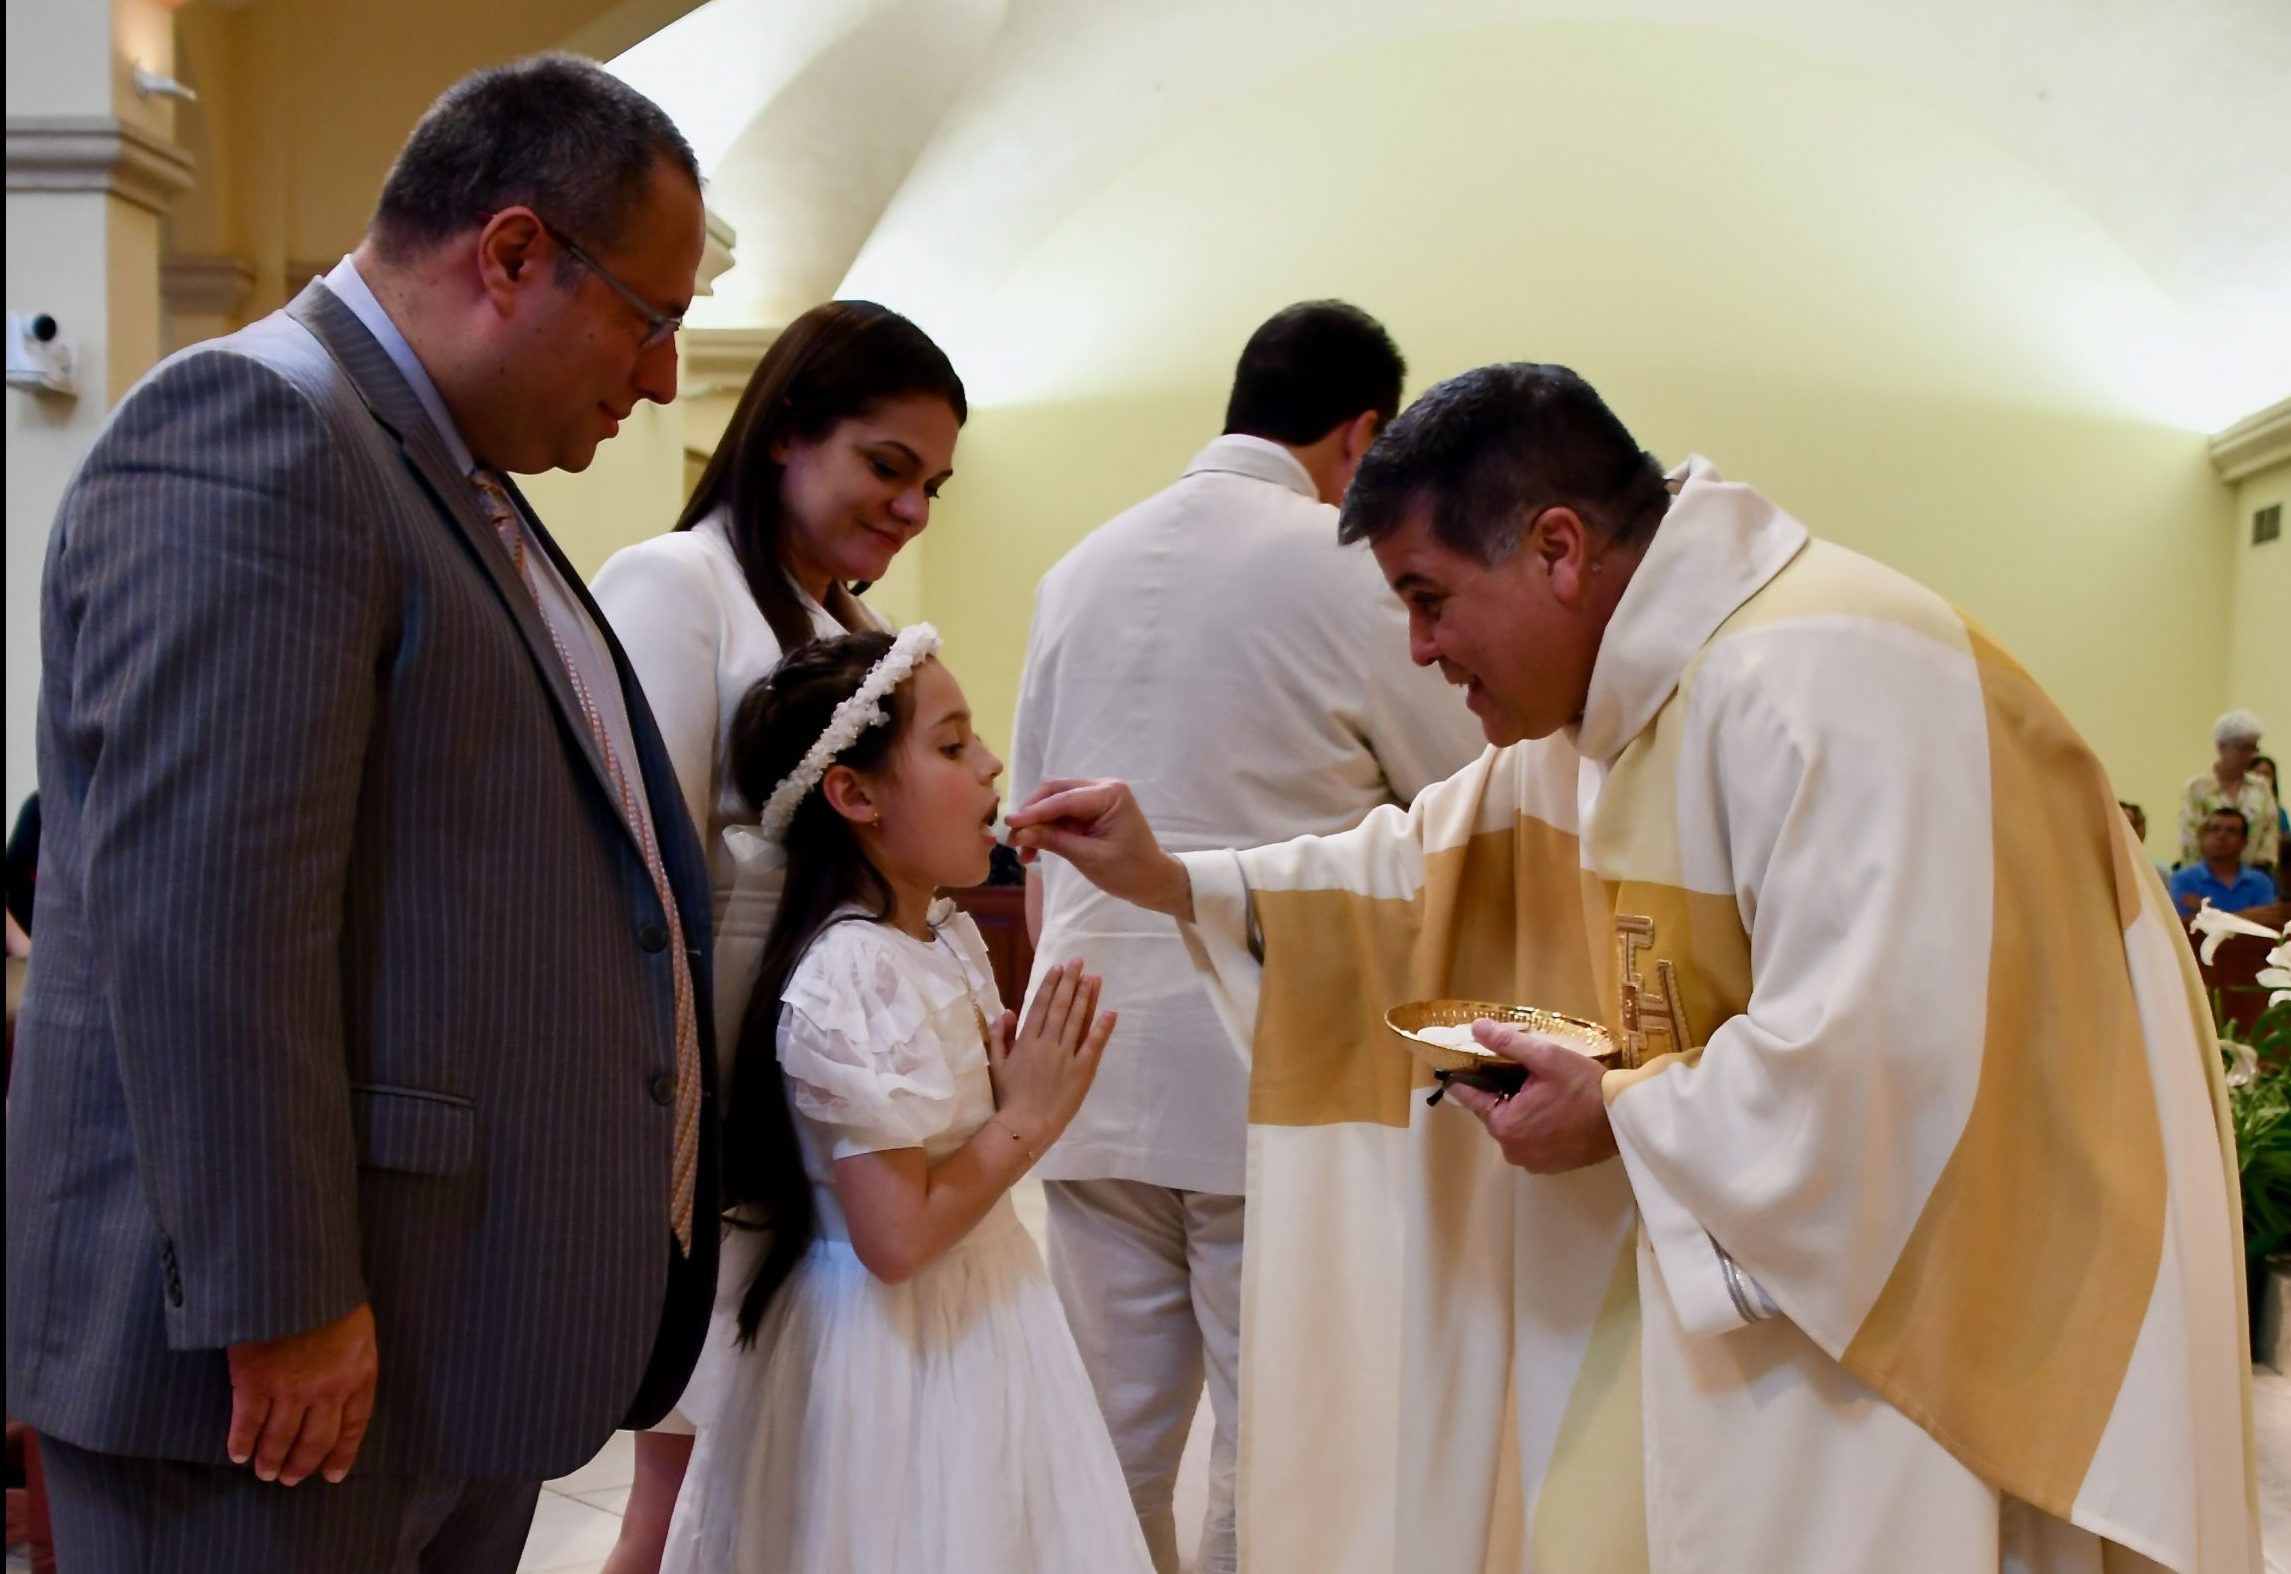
[(1216, 648)]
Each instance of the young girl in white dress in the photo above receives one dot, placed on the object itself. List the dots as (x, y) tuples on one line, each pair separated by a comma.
[(899, 1392)]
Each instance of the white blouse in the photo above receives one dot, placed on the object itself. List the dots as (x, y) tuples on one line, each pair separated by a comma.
[(683, 611)]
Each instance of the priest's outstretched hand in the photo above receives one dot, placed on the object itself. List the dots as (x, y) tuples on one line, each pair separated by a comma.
[(1098, 827), (1558, 1121)]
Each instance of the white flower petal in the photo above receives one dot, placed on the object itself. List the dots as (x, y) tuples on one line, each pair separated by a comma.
[(2215, 926), (2243, 1062)]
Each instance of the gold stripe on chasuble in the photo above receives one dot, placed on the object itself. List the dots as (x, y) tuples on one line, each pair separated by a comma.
[(2010, 1319), (1680, 970), (1497, 918), (1591, 1511), (1675, 962)]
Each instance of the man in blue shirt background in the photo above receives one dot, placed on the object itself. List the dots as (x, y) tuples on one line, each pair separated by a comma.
[(2222, 878)]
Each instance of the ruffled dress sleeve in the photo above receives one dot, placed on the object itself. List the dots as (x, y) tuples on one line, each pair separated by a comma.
[(960, 932), (860, 1046)]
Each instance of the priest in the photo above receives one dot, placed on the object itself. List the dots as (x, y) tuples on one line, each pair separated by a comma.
[(1903, 1237)]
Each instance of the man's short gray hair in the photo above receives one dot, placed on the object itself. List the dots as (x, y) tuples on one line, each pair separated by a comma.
[(555, 133), (2237, 726)]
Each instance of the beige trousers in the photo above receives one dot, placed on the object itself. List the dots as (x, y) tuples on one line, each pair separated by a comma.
[(1151, 1280)]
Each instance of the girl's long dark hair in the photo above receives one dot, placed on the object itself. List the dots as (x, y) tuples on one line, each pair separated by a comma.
[(777, 723), (836, 361)]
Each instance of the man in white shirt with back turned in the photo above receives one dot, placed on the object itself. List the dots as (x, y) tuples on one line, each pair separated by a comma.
[(1215, 647)]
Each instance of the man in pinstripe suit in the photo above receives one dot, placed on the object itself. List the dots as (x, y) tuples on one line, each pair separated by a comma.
[(360, 1169)]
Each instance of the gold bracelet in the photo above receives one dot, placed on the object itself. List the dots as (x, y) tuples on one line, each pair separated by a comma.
[(1019, 1137)]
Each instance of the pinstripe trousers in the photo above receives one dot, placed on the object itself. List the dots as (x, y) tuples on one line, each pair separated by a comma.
[(117, 1514)]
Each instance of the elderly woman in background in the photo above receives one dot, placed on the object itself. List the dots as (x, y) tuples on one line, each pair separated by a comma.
[(2264, 768), (2231, 783)]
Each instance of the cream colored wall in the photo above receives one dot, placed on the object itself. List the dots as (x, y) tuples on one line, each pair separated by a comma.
[(304, 103), (2259, 659), (205, 223), (327, 90), (1832, 289), (59, 58)]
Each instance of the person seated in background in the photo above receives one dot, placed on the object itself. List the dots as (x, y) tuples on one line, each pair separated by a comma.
[(2231, 783), (2139, 818), (2222, 878), (2264, 768)]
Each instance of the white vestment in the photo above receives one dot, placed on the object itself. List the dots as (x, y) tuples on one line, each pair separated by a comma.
[(1922, 1250)]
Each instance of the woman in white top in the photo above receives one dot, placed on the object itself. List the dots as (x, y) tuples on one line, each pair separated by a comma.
[(842, 439)]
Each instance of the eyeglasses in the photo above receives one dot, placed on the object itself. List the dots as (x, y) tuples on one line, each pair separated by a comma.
[(663, 326)]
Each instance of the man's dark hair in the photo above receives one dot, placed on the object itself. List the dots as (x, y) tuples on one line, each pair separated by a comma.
[(2226, 811), (1490, 449), (555, 133), (1311, 368)]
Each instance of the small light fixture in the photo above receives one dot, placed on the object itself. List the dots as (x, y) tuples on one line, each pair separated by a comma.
[(154, 84)]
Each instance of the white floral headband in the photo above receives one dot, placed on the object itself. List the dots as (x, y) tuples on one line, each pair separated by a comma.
[(915, 645)]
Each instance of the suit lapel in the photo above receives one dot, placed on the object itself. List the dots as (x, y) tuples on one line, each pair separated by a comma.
[(400, 413), (680, 847)]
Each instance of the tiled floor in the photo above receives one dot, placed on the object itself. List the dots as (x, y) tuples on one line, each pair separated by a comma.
[(579, 1515), (2271, 1419)]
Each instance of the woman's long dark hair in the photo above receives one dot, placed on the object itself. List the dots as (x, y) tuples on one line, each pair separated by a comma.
[(835, 362), (777, 723)]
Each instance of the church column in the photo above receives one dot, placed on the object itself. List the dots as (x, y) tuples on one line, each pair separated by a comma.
[(92, 165)]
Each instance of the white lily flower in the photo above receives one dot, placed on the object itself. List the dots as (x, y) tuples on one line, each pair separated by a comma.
[(2276, 975), (2243, 1062), (2215, 926)]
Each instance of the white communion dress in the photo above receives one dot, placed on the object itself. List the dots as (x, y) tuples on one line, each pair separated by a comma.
[(940, 1426)]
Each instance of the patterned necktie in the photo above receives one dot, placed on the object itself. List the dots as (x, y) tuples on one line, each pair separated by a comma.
[(493, 496)]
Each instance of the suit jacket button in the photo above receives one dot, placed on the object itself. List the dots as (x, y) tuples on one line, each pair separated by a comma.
[(664, 1089), (653, 937)]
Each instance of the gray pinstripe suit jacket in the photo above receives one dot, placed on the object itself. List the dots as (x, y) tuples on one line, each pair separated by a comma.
[(350, 983)]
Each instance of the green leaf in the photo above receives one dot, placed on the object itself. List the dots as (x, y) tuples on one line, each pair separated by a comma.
[(2260, 1113)]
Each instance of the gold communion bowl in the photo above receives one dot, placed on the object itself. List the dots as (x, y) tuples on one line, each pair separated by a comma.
[(1438, 1034)]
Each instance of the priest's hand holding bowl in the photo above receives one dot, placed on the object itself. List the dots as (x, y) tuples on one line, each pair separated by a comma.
[(1098, 827), (1558, 1121)]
